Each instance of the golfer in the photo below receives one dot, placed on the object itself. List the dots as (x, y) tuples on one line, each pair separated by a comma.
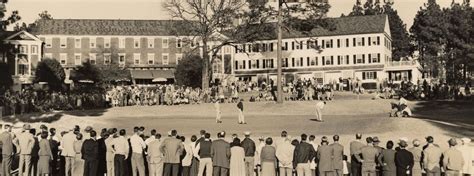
[(240, 106), (319, 108), (218, 111)]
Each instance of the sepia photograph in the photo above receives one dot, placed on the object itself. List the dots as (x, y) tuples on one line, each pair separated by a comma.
[(236, 88)]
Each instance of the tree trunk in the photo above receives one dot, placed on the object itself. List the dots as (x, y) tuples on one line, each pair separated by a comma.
[(205, 66)]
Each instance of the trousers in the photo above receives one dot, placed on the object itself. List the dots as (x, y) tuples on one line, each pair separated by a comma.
[(171, 169), (6, 165), (205, 164), (25, 164), (119, 165), (220, 171), (249, 163), (303, 169), (90, 167), (138, 164), (241, 116), (155, 169)]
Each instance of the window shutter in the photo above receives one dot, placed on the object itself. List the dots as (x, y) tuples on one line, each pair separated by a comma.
[(363, 41), (236, 65), (347, 59), (370, 58), (324, 61), (378, 58), (332, 60), (355, 57), (323, 43), (363, 75), (369, 41), (293, 62), (338, 60), (308, 61), (331, 43), (317, 60), (363, 58), (375, 75), (378, 40), (354, 42), (264, 63)]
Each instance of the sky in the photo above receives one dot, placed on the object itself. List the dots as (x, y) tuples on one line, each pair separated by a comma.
[(152, 9)]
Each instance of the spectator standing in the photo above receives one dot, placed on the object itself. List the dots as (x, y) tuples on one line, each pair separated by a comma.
[(337, 156), (188, 157), (90, 154), (387, 160), (368, 157), (78, 165), (249, 149), (6, 138), (67, 150), (453, 160), (417, 154), (138, 145), (171, 149), (403, 159), (120, 149), (355, 149), (109, 155), (220, 153), (431, 158), (324, 157), (284, 154), (203, 154), (45, 155), (467, 155), (155, 157), (302, 156), (237, 155), (268, 158), (26, 142)]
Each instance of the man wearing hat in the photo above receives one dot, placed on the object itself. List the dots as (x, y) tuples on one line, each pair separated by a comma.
[(324, 157), (453, 160), (376, 142), (26, 142), (368, 156), (417, 153), (431, 158), (220, 152), (249, 150), (403, 159), (467, 155)]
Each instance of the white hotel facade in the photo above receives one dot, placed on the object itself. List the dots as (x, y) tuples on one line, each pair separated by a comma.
[(358, 48)]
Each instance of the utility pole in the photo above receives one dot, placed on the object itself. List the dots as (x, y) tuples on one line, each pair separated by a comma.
[(279, 54)]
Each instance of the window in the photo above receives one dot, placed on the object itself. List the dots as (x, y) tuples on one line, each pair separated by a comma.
[(107, 59), (164, 42), (178, 58), (122, 42), (369, 42), (292, 45), (340, 60), (360, 41), (107, 42), (323, 43), (48, 55), (165, 59), (347, 43), (369, 75), (328, 60), (77, 42), (374, 58), (271, 47), (63, 42), (313, 61), (92, 42), (121, 59), (178, 43), (151, 42), (49, 42), (359, 59), (284, 62), (151, 58), (329, 44), (92, 58), (285, 46), (136, 42), (136, 58), (378, 40), (338, 43), (236, 65), (63, 58), (77, 59), (346, 60), (23, 49)]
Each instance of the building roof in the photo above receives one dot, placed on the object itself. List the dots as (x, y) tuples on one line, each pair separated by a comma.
[(6, 34), (109, 27), (339, 26)]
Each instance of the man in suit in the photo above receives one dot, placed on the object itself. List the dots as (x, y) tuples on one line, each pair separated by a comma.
[(355, 148), (6, 140), (417, 154), (220, 153), (378, 168), (431, 158), (67, 146), (171, 149), (324, 158), (337, 155), (90, 154), (387, 160), (403, 159), (26, 142), (453, 160), (368, 158), (304, 153), (155, 157)]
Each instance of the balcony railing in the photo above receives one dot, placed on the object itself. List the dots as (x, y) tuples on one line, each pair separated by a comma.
[(400, 63)]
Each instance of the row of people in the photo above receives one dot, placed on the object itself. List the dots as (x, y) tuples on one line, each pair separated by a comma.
[(114, 152)]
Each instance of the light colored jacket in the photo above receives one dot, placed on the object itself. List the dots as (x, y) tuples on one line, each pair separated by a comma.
[(453, 160), (26, 142), (284, 153), (172, 149), (155, 156), (67, 144), (431, 157)]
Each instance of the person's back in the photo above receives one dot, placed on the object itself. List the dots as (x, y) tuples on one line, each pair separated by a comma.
[(324, 156), (171, 149), (154, 153), (26, 142), (7, 143), (220, 152), (453, 159), (304, 152), (388, 161), (338, 153)]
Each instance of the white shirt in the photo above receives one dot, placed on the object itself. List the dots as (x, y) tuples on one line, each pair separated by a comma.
[(189, 154), (149, 140), (284, 153), (320, 105), (137, 144), (120, 145)]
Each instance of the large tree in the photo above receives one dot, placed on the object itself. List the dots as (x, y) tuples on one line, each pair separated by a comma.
[(50, 71), (88, 73), (188, 71), (11, 19), (32, 27), (401, 43), (5, 77), (240, 22)]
